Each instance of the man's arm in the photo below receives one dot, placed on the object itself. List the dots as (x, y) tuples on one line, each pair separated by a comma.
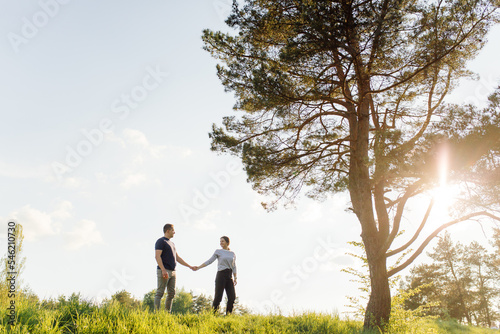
[(184, 263), (206, 263), (164, 272)]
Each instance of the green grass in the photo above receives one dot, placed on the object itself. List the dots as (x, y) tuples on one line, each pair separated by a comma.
[(82, 317), (453, 326)]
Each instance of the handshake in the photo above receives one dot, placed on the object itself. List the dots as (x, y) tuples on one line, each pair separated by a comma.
[(194, 268)]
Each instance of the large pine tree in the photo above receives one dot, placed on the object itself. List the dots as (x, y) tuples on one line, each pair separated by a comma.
[(343, 95)]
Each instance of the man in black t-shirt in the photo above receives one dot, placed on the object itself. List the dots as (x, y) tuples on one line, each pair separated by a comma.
[(166, 256)]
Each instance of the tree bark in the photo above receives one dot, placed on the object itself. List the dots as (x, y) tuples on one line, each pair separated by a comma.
[(378, 309), (360, 189)]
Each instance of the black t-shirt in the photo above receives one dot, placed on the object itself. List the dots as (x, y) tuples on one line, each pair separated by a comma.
[(168, 254)]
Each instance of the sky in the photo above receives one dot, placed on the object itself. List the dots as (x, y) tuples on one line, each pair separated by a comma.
[(105, 113)]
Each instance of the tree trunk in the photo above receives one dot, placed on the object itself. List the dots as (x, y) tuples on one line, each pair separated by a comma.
[(360, 189), (488, 316), (378, 310)]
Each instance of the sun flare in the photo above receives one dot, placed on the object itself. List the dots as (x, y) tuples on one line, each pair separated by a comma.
[(445, 194)]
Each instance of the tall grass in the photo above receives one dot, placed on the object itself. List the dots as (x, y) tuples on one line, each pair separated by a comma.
[(113, 318), (83, 317)]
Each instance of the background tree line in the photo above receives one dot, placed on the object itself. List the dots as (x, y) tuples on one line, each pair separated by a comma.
[(462, 282), (184, 302)]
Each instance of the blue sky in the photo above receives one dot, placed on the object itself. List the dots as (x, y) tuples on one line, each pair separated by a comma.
[(106, 109)]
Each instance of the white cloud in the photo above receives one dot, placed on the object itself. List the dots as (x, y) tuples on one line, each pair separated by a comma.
[(132, 180), (20, 172), (130, 160), (132, 137), (66, 179), (35, 223), (140, 151), (207, 221), (114, 138), (38, 224), (63, 210), (338, 261), (138, 160), (101, 177), (312, 213), (73, 182), (136, 137), (84, 234)]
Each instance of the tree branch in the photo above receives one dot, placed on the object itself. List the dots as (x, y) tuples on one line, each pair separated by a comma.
[(417, 233), (436, 59), (434, 234), (399, 214)]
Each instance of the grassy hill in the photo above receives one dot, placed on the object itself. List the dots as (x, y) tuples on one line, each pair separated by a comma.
[(84, 317)]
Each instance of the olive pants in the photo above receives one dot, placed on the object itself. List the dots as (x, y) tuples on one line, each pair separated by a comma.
[(169, 284)]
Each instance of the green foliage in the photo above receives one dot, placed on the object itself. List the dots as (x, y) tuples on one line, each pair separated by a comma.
[(16, 259), (239, 309), (496, 257), (405, 320), (148, 302), (182, 303), (201, 304), (462, 283), (187, 302), (126, 299), (474, 146), (76, 316), (299, 69), (72, 307), (33, 316), (362, 278)]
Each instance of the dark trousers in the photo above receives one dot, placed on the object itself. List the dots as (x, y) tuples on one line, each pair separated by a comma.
[(224, 281)]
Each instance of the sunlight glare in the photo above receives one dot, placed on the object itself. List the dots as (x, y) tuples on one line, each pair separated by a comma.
[(444, 193)]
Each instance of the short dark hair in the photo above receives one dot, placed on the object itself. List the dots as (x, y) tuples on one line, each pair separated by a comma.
[(167, 227), (225, 239)]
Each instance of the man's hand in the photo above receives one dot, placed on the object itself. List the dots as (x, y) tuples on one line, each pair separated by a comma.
[(194, 268), (164, 273)]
